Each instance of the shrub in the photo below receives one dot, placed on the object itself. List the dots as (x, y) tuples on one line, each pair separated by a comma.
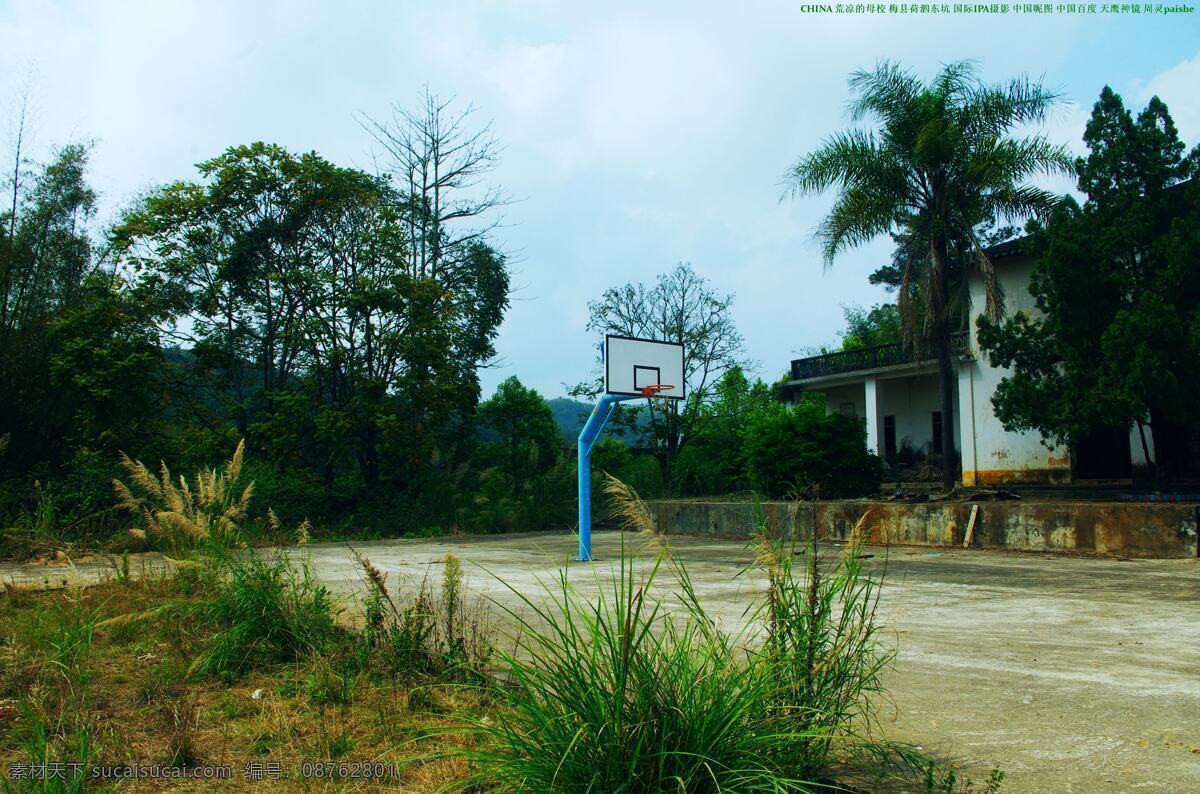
[(806, 452), (425, 636)]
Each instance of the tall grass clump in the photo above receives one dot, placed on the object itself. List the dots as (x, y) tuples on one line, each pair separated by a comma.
[(822, 647), (613, 692), (248, 611), (618, 691), (182, 514)]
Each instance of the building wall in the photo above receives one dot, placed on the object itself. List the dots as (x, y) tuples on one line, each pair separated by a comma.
[(998, 456), (838, 396), (912, 400)]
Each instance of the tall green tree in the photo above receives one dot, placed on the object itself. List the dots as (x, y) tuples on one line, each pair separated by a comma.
[(941, 161), (1116, 337), (78, 348), (713, 462), (525, 431), (291, 281), (879, 325)]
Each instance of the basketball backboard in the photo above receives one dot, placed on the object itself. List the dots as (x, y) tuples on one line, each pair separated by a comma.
[(632, 365)]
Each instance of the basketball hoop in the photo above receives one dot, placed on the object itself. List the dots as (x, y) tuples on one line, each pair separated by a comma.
[(633, 369)]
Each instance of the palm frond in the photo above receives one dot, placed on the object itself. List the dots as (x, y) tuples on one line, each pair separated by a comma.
[(1001, 163), (887, 91), (844, 159), (857, 217), (993, 291), (910, 335), (996, 109)]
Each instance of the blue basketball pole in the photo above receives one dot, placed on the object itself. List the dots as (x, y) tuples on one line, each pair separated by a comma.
[(587, 439)]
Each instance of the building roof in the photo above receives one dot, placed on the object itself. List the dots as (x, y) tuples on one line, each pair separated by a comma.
[(1011, 247)]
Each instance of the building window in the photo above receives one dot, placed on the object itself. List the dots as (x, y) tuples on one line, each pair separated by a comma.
[(847, 409), (937, 432), (889, 438)]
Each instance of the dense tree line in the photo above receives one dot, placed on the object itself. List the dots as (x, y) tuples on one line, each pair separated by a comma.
[(335, 319)]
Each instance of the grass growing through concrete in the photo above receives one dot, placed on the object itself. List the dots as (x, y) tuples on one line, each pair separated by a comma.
[(620, 692)]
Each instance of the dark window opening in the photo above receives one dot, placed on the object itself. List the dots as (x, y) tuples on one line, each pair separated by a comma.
[(847, 409), (937, 432), (1103, 454), (889, 439)]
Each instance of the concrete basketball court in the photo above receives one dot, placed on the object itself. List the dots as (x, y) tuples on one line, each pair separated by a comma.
[(1068, 674)]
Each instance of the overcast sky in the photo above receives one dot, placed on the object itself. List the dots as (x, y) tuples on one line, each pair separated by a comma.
[(636, 135)]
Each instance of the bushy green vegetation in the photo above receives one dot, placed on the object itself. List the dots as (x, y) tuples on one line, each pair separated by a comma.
[(749, 441), (879, 325), (333, 319), (809, 453)]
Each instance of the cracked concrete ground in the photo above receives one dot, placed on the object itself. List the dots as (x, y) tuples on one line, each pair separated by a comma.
[(1069, 674)]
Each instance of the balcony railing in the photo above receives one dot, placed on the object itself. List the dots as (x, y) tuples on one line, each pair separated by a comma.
[(867, 358)]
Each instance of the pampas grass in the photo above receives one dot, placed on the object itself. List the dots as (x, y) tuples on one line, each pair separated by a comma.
[(182, 514)]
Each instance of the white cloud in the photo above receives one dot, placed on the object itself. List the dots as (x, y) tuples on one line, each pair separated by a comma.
[(1179, 87)]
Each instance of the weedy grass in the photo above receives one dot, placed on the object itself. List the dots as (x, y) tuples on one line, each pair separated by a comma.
[(443, 636), (822, 648), (614, 693), (247, 611), (82, 691)]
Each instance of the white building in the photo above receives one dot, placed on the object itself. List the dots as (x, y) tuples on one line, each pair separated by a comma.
[(898, 397)]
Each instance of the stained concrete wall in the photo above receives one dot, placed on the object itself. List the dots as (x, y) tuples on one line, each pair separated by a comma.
[(1128, 529), (993, 455)]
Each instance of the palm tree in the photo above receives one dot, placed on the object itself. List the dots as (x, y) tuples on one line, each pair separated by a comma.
[(941, 163)]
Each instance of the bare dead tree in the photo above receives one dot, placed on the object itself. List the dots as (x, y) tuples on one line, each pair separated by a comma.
[(19, 163), (439, 162)]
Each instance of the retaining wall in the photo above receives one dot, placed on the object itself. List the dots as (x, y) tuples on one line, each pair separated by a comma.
[(1119, 528)]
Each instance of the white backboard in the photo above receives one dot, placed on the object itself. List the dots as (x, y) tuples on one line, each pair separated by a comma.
[(632, 364)]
